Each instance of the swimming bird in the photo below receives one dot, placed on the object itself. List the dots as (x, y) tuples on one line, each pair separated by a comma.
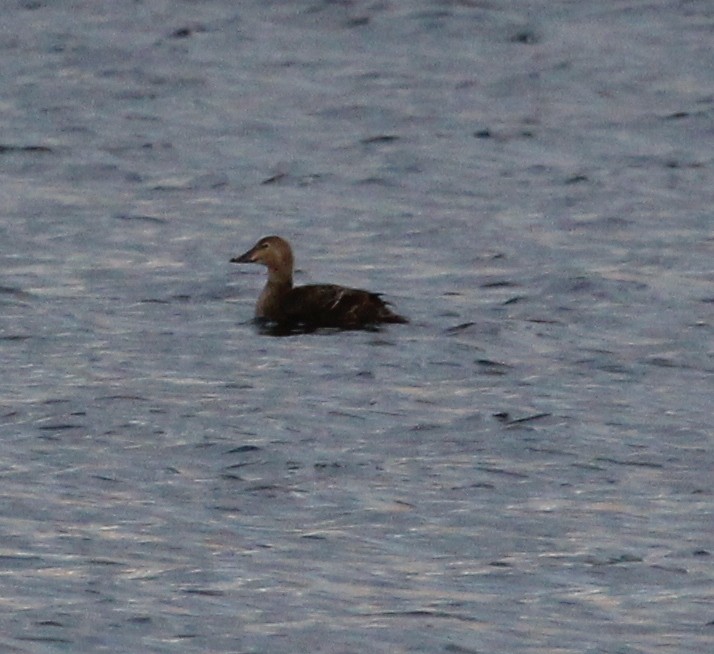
[(313, 305)]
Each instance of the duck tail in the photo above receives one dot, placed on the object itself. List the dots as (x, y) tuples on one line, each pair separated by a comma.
[(389, 316)]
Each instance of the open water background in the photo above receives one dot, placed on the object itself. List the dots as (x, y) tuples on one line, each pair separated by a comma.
[(525, 468)]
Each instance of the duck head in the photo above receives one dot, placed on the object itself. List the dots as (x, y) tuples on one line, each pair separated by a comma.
[(274, 253)]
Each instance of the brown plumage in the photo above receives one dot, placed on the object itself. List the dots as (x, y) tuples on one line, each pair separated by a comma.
[(314, 305)]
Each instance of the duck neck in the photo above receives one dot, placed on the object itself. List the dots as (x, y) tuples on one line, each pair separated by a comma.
[(280, 279), (269, 303)]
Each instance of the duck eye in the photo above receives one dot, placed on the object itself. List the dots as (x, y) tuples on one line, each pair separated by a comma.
[(264, 245)]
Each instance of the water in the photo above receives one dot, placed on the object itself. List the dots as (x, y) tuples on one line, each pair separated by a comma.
[(525, 467)]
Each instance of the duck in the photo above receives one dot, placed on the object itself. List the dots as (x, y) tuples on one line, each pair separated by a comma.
[(314, 305)]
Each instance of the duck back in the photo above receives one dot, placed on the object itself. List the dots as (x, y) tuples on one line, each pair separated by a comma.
[(330, 305)]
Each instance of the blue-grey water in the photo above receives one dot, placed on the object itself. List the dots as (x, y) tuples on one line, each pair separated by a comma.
[(526, 467)]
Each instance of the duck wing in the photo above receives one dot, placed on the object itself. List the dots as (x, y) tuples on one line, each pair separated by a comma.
[(330, 305)]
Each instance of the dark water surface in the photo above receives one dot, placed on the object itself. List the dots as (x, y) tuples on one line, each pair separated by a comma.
[(526, 467)]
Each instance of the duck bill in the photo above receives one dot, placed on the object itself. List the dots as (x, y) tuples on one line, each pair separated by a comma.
[(246, 257)]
